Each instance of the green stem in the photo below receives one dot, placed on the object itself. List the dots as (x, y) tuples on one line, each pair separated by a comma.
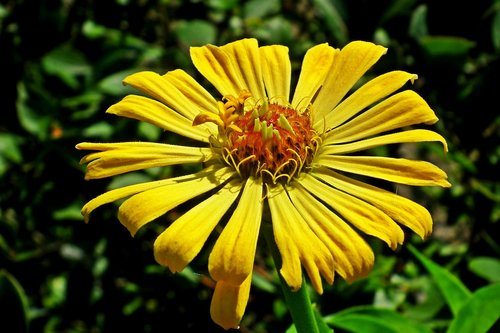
[(298, 302)]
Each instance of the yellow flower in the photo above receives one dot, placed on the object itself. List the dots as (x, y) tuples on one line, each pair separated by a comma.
[(297, 158)]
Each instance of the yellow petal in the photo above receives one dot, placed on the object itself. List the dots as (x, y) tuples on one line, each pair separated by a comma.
[(117, 158), (401, 209), (398, 170), (233, 254), (315, 67), (298, 244), (127, 191), (371, 92), (417, 135), (176, 90), (363, 216), (402, 109), (216, 65), (229, 303), (158, 114), (348, 67), (276, 71), (185, 237), (245, 57), (352, 255), (146, 206)]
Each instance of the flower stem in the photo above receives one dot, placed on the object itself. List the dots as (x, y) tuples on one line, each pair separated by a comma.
[(298, 302)]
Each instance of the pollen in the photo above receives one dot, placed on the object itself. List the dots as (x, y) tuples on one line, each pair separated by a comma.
[(263, 138)]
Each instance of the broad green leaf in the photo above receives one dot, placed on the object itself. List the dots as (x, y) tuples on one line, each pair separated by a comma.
[(368, 319), (333, 20), (486, 267), (453, 290), (260, 8), (33, 122), (442, 47), (418, 22), (495, 29), (479, 313), (195, 32), (13, 304), (68, 64)]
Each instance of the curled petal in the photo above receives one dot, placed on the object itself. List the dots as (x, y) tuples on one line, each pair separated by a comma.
[(229, 302), (233, 254), (177, 246)]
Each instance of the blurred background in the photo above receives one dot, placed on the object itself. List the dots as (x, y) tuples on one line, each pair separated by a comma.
[(62, 64)]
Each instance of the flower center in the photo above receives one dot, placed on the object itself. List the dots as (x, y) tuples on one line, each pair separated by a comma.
[(263, 139)]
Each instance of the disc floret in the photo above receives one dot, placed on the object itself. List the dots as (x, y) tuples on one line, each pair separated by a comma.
[(263, 138)]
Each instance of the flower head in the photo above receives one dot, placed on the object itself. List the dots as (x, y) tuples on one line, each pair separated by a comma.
[(299, 156)]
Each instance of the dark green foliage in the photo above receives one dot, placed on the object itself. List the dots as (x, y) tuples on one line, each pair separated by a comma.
[(63, 62)]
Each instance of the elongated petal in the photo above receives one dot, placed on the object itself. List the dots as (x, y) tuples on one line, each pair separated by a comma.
[(245, 56), (352, 255), (233, 254), (400, 110), (417, 135), (216, 65), (176, 90), (229, 303), (371, 92), (177, 246), (348, 67), (298, 244), (398, 170), (363, 216), (130, 190), (276, 71), (144, 207), (158, 114), (315, 67), (117, 158), (402, 210)]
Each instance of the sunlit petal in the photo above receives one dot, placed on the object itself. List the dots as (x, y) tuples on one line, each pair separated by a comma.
[(298, 244), (352, 255), (229, 303), (184, 238), (349, 65), (146, 206), (371, 92), (402, 210), (315, 67), (400, 110), (117, 158), (233, 254), (276, 71), (158, 114), (362, 215), (398, 170), (417, 135)]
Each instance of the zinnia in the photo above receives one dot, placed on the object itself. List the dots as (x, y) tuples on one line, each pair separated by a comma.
[(299, 159)]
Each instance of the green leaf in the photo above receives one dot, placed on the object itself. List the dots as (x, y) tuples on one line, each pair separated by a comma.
[(495, 29), (368, 319), (444, 48), (68, 64), (260, 8), (333, 20), (418, 23), (486, 267), (453, 290), (33, 122), (195, 32), (479, 313), (13, 304)]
